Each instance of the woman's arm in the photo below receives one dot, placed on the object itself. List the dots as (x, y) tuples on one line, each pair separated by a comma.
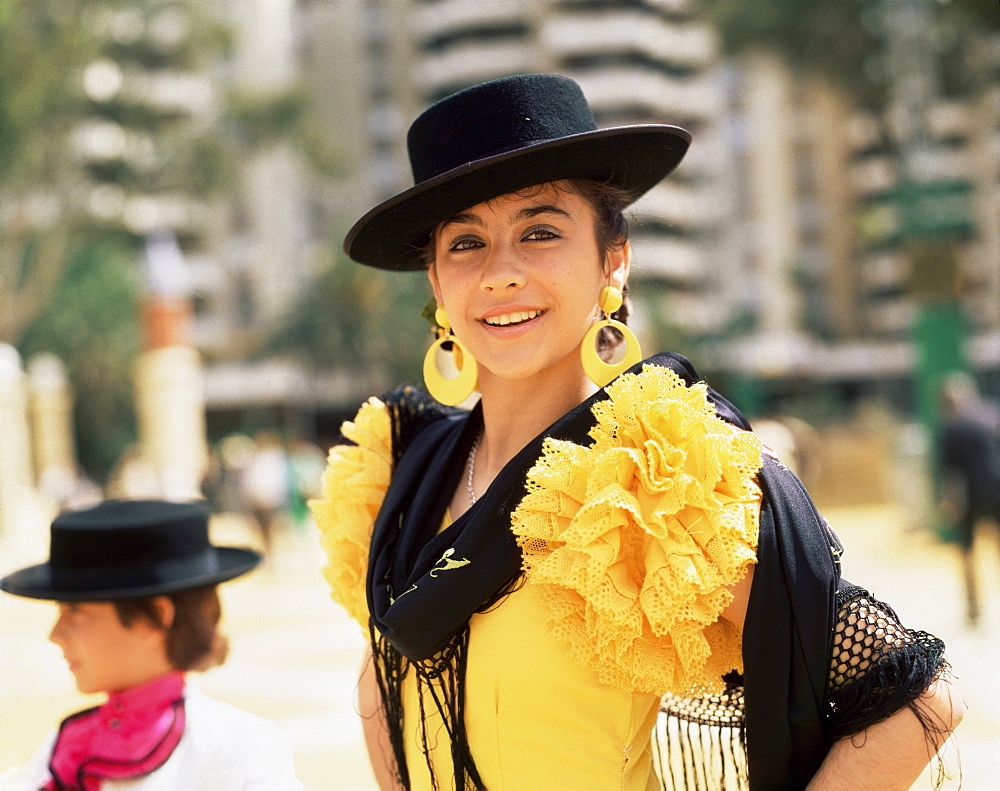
[(375, 729), (890, 755)]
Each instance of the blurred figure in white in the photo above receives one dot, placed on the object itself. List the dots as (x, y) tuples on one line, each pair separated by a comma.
[(265, 484)]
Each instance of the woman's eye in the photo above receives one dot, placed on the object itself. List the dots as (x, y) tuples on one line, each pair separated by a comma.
[(465, 243), (540, 235)]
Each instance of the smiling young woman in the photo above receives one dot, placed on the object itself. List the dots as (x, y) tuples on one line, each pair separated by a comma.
[(593, 546)]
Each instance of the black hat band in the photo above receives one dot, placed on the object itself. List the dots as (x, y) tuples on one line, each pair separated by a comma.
[(162, 572)]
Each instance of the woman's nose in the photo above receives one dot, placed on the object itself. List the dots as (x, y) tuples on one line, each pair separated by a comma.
[(503, 269)]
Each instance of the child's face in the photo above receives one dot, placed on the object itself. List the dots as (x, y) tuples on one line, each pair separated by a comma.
[(104, 655)]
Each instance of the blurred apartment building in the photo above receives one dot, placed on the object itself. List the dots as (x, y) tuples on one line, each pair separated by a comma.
[(839, 245)]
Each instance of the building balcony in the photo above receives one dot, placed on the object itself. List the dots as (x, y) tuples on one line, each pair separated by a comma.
[(169, 92), (711, 154), (689, 44), (873, 176), (666, 99), (864, 132), (697, 313), (890, 316), (437, 19), (943, 164), (142, 214), (949, 120), (673, 259), (472, 63), (886, 271), (682, 205), (678, 7)]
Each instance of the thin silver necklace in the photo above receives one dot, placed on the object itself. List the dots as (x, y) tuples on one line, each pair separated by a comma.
[(472, 468)]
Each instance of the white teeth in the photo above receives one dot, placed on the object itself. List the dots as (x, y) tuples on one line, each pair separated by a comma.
[(512, 318)]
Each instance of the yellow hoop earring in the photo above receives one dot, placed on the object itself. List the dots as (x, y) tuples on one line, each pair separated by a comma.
[(453, 391), (600, 372)]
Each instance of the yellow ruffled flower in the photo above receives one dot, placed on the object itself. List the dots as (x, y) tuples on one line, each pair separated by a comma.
[(634, 540), (354, 485)]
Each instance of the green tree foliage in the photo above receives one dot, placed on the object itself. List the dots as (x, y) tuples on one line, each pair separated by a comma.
[(355, 318), (90, 324), (830, 37), (842, 40), (43, 47), (68, 268)]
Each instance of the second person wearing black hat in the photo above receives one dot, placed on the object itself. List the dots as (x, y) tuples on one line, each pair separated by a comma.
[(537, 573), (135, 581)]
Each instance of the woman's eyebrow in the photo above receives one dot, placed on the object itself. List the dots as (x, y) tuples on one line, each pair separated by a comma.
[(466, 218), (534, 211)]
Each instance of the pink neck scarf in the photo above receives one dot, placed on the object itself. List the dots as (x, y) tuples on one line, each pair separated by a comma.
[(129, 736)]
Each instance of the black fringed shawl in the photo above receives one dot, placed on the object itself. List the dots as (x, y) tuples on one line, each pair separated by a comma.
[(423, 586)]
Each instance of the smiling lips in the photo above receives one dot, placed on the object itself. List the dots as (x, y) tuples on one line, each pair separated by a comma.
[(506, 319)]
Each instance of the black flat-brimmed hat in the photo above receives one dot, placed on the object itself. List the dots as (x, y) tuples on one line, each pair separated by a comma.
[(500, 137), (127, 548)]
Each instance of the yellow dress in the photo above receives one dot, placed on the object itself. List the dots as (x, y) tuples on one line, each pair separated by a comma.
[(629, 546), (535, 718)]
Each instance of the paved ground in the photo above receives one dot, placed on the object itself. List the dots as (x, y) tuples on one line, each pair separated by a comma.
[(295, 656)]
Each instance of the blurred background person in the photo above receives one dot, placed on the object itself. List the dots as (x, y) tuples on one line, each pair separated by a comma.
[(265, 485), (969, 466)]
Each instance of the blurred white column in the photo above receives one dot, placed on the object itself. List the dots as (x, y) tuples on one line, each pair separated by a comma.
[(51, 419), (171, 417), (15, 451)]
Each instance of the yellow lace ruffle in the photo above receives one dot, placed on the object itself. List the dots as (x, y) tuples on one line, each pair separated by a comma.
[(354, 485), (632, 541)]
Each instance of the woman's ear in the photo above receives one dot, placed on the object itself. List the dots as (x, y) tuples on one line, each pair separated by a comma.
[(435, 288), (619, 262)]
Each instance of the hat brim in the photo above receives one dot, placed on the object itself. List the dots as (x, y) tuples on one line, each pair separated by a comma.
[(35, 582), (634, 158)]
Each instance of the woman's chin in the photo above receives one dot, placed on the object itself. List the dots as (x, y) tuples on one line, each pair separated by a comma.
[(524, 375)]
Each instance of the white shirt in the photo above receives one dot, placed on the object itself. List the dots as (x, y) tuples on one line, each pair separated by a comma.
[(223, 748)]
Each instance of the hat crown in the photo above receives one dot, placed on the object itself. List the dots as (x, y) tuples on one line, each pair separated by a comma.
[(124, 548), (133, 538), (494, 118)]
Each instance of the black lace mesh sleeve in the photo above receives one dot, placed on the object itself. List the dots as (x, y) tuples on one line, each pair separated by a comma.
[(879, 666)]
